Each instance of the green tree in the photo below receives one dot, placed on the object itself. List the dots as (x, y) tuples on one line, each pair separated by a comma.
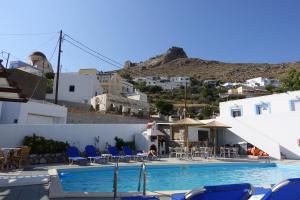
[(291, 81), (164, 107)]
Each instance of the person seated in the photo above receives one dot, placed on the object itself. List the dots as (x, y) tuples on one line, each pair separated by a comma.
[(152, 153)]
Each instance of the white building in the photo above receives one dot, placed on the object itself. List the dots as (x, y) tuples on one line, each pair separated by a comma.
[(138, 96), (167, 83), (77, 87), (135, 105), (262, 82), (270, 123), (32, 112)]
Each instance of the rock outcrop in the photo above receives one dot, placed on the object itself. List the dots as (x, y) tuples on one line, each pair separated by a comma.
[(176, 63)]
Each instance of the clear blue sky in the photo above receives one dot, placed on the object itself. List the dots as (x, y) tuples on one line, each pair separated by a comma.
[(225, 30)]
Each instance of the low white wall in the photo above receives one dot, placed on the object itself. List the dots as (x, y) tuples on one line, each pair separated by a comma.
[(80, 135)]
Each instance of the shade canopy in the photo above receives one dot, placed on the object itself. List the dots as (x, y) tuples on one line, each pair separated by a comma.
[(9, 90), (187, 122), (215, 124)]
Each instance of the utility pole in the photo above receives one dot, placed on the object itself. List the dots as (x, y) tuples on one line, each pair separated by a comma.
[(7, 59), (185, 96), (58, 67)]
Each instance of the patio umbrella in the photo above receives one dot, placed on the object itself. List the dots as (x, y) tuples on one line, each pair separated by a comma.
[(213, 126), (186, 122), (9, 90)]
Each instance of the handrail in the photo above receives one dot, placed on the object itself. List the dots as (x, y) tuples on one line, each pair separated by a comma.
[(116, 172), (142, 170)]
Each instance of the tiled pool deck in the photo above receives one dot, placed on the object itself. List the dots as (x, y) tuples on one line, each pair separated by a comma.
[(34, 183)]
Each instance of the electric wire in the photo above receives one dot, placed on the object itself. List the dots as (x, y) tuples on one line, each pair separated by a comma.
[(26, 34), (98, 57), (116, 62)]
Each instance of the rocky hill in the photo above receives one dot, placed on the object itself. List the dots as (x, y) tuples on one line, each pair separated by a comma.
[(175, 62)]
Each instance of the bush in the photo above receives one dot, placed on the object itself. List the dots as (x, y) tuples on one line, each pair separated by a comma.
[(120, 143), (164, 107), (40, 145)]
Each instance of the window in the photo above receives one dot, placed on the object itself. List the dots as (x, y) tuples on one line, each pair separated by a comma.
[(263, 108), (72, 88), (202, 135), (295, 105), (236, 111), (96, 93)]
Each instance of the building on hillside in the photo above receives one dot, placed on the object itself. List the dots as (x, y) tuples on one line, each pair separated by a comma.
[(77, 87), (230, 85), (246, 92), (166, 83), (262, 82), (138, 96), (113, 83), (32, 112), (267, 122), (211, 83), (120, 104), (100, 90)]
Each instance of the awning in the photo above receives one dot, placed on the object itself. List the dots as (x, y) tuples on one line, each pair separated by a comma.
[(215, 124)]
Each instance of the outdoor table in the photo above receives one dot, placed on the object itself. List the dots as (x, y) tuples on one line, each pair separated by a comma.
[(227, 151)]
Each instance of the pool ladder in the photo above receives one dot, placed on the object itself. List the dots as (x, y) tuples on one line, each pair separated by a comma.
[(143, 174), (116, 173)]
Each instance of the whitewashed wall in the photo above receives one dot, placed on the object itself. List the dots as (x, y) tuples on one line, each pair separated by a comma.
[(273, 133), (279, 103), (80, 135), (86, 87), (12, 111)]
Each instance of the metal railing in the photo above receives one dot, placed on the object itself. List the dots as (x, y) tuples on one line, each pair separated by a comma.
[(143, 174), (116, 173)]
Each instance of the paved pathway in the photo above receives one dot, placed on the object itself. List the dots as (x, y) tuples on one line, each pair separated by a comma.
[(30, 192)]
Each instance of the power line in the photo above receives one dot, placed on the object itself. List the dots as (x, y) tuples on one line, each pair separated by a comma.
[(116, 62), (92, 54), (43, 43), (26, 34), (54, 50)]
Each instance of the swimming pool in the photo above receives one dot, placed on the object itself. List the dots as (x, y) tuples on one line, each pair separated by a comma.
[(174, 177)]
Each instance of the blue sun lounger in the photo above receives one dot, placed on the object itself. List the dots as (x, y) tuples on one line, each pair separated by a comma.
[(128, 153), (73, 155), (114, 153), (231, 192), (288, 189), (140, 198), (90, 151)]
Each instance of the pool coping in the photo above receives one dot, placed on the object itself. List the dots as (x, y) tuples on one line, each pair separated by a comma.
[(56, 189)]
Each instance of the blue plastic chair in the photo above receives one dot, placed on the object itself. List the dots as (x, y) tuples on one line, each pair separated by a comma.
[(90, 151), (288, 189), (114, 153), (140, 198), (73, 155), (233, 192)]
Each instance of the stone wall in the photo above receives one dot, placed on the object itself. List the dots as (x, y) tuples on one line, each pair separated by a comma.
[(100, 118)]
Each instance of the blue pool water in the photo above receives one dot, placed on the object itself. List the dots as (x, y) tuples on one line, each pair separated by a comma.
[(175, 177)]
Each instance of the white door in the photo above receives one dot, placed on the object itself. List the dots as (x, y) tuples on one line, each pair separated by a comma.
[(39, 119)]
